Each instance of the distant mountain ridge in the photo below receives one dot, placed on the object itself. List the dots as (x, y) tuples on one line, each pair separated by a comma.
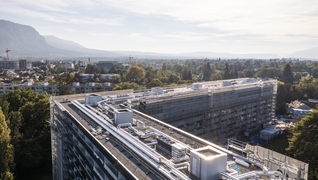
[(62, 44), (229, 55), (24, 40), (308, 53)]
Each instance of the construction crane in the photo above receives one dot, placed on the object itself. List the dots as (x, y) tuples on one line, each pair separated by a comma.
[(7, 51)]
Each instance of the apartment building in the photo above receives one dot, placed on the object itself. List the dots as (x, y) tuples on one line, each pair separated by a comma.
[(215, 110), (53, 89), (97, 136)]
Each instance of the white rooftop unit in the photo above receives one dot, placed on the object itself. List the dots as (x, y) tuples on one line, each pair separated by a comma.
[(157, 90), (197, 86), (227, 83), (44, 83), (250, 80), (27, 83), (207, 163), (123, 116), (92, 99)]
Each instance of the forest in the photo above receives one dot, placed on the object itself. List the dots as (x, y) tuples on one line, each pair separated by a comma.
[(25, 140)]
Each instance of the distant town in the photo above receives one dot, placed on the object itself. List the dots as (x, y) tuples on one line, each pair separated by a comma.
[(287, 86)]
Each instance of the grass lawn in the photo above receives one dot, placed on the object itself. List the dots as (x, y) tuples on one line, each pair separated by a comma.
[(278, 144)]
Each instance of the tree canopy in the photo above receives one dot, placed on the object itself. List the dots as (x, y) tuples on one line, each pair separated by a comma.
[(288, 76), (135, 74), (6, 150), (126, 85), (65, 83), (304, 143), (27, 123)]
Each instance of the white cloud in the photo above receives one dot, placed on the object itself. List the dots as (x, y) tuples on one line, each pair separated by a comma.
[(140, 37), (59, 11), (100, 34), (189, 36), (183, 24), (271, 18)]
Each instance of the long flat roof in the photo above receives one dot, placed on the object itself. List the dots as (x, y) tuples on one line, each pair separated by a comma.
[(131, 160)]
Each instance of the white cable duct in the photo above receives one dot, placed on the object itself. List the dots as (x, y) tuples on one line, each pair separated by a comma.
[(263, 173), (100, 113), (152, 143), (182, 164), (145, 136), (263, 167), (139, 148), (127, 125), (151, 153), (141, 127), (271, 174), (115, 133), (195, 137)]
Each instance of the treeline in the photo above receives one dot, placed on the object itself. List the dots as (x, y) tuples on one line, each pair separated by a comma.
[(25, 143), (186, 71)]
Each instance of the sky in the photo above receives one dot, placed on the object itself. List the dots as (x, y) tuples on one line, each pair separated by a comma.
[(174, 26)]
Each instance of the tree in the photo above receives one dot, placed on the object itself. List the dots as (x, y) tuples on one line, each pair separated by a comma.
[(186, 74), (6, 150), (207, 72), (178, 68), (36, 116), (91, 69), (115, 79), (173, 78), (20, 97), (288, 74), (248, 73), (5, 74), (154, 83), (218, 75), (164, 66), (304, 143), (307, 86), (15, 121), (65, 83), (126, 85), (4, 105), (27, 117), (135, 74), (235, 73), (268, 73), (227, 72), (298, 76)]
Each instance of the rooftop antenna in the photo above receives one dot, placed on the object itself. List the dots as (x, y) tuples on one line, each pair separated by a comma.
[(7, 51)]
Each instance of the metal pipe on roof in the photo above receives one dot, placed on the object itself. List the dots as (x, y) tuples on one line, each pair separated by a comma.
[(127, 125), (152, 143), (263, 173), (182, 164), (145, 136), (129, 141)]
